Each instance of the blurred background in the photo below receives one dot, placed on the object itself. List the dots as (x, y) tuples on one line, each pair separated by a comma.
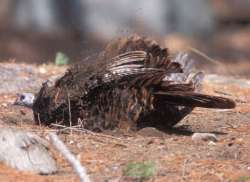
[(34, 31)]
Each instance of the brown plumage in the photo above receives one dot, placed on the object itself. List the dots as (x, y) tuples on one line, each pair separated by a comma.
[(132, 83)]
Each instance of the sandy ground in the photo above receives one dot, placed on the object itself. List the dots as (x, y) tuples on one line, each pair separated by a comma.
[(175, 155)]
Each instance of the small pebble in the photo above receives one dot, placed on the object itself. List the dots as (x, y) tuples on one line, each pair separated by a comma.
[(22, 112), (204, 137), (4, 105), (211, 143), (42, 70), (240, 140), (115, 168), (25, 151), (79, 145)]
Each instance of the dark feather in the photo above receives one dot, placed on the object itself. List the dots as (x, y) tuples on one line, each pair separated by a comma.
[(133, 81), (192, 99)]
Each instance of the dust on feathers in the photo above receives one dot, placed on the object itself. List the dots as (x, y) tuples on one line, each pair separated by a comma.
[(133, 83)]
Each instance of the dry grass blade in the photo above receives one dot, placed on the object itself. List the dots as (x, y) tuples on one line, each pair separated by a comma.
[(78, 128), (215, 62), (205, 56)]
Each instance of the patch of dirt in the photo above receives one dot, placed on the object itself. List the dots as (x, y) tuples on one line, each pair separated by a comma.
[(175, 155)]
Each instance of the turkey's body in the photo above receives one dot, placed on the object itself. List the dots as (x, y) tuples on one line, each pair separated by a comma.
[(131, 85)]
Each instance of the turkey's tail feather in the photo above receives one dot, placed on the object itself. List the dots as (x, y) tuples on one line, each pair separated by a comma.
[(192, 99)]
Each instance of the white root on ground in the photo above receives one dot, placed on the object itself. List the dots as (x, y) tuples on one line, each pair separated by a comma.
[(78, 168)]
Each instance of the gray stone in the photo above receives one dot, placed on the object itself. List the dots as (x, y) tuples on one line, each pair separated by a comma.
[(25, 152), (204, 137)]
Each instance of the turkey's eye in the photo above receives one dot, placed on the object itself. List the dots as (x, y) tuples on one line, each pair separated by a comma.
[(22, 97)]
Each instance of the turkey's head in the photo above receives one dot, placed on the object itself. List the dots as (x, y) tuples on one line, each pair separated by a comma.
[(25, 99)]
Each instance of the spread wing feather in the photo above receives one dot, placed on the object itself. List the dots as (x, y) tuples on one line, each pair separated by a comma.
[(133, 65), (139, 69), (193, 99)]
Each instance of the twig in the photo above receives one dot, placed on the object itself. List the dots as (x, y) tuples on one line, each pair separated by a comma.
[(205, 56), (184, 168), (75, 128), (222, 93), (39, 120), (94, 135), (70, 121), (72, 128), (63, 126), (78, 168), (56, 96)]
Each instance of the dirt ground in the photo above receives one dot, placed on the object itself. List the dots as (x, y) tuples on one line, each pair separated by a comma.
[(175, 155)]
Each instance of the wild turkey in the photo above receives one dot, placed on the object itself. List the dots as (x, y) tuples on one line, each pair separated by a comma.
[(133, 83)]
